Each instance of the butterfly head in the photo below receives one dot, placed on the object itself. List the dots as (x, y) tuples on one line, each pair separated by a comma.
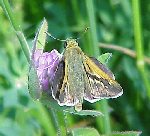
[(69, 43)]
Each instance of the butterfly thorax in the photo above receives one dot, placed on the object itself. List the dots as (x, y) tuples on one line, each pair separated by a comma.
[(71, 43)]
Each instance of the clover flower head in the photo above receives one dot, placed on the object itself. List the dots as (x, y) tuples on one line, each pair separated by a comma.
[(46, 64)]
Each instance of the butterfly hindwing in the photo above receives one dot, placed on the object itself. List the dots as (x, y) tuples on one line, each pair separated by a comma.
[(101, 81)]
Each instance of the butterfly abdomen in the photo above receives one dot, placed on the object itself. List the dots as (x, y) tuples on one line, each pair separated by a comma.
[(75, 70)]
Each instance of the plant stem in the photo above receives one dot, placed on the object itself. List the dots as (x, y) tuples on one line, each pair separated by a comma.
[(104, 122), (123, 50), (90, 10), (42, 116), (24, 45), (139, 44), (26, 50), (76, 12), (59, 122)]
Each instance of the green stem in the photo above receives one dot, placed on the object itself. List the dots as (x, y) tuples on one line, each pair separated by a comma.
[(42, 116), (59, 122), (139, 44), (90, 10), (6, 7), (104, 122), (26, 50), (76, 11)]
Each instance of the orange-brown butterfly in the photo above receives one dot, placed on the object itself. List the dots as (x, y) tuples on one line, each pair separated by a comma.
[(79, 77)]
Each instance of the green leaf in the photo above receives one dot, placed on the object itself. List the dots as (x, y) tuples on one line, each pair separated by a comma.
[(49, 101), (40, 38), (126, 133), (39, 43), (34, 84), (84, 112), (104, 57), (84, 132)]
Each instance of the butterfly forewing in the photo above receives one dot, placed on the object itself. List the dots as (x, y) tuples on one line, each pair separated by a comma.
[(101, 81), (59, 85), (57, 80), (102, 67)]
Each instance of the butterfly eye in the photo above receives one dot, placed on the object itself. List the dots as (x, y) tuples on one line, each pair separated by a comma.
[(65, 44), (77, 43)]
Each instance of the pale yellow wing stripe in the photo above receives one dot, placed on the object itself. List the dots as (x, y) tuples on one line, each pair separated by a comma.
[(96, 70)]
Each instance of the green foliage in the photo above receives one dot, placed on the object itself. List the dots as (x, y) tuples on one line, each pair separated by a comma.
[(94, 132), (39, 43), (110, 21), (33, 83), (104, 57), (85, 131)]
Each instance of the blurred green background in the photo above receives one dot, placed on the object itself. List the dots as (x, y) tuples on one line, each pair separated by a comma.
[(111, 22)]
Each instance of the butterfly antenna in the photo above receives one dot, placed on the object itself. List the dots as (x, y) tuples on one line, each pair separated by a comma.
[(83, 33), (54, 37)]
